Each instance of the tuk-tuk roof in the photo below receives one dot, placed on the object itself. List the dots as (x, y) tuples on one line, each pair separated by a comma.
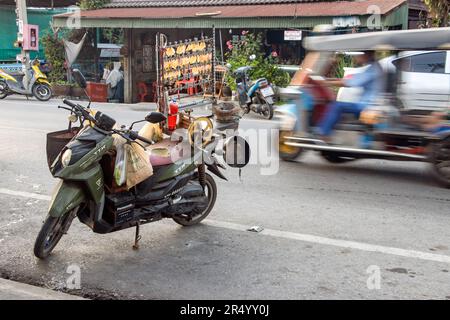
[(420, 39)]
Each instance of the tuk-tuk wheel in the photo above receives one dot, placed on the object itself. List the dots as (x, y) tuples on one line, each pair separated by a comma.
[(440, 159), (334, 157), (288, 153), (3, 90)]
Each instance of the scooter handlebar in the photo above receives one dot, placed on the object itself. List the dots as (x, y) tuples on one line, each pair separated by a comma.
[(135, 136), (69, 103)]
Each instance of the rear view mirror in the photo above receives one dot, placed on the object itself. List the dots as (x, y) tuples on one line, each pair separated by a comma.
[(155, 117), (79, 78), (236, 152)]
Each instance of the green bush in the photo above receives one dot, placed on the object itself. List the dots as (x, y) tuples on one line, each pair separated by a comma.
[(55, 55), (263, 67), (92, 4)]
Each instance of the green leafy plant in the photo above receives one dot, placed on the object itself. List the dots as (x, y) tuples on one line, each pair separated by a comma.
[(92, 4), (55, 55), (262, 67), (342, 61), (113, 35)]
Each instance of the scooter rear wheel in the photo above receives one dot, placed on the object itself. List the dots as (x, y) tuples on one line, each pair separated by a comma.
[(211, 193), (42, 92)]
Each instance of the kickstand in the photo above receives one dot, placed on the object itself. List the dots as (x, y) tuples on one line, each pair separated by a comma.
[(137, 237)]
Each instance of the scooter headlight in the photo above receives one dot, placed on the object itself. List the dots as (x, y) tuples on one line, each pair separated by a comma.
[(66, 156)]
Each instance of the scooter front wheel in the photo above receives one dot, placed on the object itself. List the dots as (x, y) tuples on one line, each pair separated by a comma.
[(42, 92), (50, 234)]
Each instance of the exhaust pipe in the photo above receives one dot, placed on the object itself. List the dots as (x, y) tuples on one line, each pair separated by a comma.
[(354, 151)]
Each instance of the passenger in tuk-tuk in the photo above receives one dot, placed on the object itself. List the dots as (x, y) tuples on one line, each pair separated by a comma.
[(370, 80)]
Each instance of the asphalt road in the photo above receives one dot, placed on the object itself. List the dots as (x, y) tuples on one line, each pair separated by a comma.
[(329, 230)]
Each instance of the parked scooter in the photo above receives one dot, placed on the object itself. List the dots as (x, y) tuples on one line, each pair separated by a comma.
[(180, 190), (37, 86), (257, 96)]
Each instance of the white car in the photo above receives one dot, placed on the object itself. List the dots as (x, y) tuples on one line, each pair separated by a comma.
[(424, 80)]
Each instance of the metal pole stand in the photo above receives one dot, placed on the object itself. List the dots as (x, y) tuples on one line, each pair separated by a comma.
[(137, 237)]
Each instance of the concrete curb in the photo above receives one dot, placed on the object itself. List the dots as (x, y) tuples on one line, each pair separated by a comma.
[(12, 290)]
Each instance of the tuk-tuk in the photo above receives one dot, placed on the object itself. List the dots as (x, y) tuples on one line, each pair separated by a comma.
[(385, 129)]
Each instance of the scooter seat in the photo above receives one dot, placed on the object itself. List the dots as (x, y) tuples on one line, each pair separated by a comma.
[(164, 152)]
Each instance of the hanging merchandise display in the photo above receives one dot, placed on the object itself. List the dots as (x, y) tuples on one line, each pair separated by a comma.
[(184, 68), (187, 65)]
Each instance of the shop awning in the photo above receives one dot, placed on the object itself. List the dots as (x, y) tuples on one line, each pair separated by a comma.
[(299, 15)]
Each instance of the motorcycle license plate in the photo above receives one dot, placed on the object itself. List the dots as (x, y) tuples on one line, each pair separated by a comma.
[(267, 92)]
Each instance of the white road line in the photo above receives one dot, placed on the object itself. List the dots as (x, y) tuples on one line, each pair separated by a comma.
[(292, 235), (335, 242)]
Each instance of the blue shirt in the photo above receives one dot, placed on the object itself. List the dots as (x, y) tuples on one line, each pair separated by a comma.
[(371, 81)]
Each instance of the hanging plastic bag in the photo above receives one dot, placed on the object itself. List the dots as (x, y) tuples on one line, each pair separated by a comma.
[(120, 168), (138, 164)]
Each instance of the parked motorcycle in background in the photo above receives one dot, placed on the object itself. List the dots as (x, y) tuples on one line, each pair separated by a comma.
[(37, 86), (256, 96)]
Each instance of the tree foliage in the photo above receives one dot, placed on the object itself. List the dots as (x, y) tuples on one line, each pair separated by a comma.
[(92, 4), (263, 67), (55, 55), (439, 12)]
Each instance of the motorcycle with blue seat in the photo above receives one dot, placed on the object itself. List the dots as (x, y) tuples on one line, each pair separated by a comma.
[(181, 190)]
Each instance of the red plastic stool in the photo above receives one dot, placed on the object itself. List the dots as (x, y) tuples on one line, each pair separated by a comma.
[(154, 91), (191, 87), (143, 91)]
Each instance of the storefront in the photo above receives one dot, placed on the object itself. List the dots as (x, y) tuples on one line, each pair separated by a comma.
[(283, 26)]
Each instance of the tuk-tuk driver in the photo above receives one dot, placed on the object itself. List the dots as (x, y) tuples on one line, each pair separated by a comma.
[(370, 80)]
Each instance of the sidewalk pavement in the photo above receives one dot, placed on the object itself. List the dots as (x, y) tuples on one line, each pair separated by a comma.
[(12, 290)]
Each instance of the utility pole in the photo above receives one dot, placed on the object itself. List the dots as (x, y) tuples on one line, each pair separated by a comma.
[(22, 21)]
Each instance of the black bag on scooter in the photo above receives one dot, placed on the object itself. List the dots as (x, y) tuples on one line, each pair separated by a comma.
[(57, 140)]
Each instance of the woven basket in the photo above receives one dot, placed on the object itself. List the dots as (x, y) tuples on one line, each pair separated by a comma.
[(185, 121)]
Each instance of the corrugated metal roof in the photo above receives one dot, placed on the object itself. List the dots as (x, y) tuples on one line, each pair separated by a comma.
[(312, 9), (191, 3)]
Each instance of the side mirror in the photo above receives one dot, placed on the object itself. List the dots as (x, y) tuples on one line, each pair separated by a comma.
[(236, 152), (155, 117), (79, 78)]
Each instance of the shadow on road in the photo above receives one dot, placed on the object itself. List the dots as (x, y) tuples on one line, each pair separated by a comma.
[(363, 169)]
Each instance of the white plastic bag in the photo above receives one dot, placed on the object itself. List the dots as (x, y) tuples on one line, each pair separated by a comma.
[(138, 166), (120, 168)]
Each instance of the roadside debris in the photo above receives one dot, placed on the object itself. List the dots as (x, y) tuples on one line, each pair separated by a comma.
[(256, 229)]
